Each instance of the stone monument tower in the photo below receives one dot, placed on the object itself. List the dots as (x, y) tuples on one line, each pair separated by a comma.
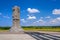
[(16, 20)]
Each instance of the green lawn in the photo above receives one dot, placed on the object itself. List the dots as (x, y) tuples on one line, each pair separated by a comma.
[(4, 29), (35, 28), (43, 29)]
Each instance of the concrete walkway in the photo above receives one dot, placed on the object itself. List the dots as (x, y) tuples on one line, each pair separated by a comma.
[(16, 37)]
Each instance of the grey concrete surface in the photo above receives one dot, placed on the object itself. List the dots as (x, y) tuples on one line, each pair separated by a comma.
[(44, 36), (30, 36), (16, 37)]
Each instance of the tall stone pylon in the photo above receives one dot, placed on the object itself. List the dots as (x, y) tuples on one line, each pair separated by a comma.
[(16, 28)]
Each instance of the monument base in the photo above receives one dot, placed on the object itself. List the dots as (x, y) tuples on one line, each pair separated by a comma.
[(16, 30)]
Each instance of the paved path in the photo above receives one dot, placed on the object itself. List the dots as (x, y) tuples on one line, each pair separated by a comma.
[(29, 36), (43, 36), (16, 37)]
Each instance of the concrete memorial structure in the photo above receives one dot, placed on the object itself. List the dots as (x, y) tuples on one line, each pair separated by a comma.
[(16, 28)]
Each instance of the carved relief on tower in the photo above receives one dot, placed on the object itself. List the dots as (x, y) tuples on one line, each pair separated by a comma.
[(16, 9), (16, 13)]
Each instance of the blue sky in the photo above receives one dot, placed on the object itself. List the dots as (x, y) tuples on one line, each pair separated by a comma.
[(32, 12)]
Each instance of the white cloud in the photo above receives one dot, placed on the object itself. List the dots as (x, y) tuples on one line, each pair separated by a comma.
[(31, 17), (32, 10), (6, 17), (40, 21), (41, 17), (47, 17), (53, 21), (23, 20), (57, 20), (56, 11)]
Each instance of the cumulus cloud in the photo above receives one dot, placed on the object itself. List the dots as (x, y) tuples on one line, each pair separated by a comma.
[(41, 17), (40, 21), (32, 10), (6, 17), (57, 20), (53, 21), (47, 17), (31, 17), (23, 20), (56, 11)]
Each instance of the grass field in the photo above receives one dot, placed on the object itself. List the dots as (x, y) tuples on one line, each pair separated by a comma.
[(35, 28), (43, 28)]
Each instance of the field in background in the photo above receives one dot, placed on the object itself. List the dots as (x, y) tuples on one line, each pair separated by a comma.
[(35, 28), (42, 28), (4, 29)]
